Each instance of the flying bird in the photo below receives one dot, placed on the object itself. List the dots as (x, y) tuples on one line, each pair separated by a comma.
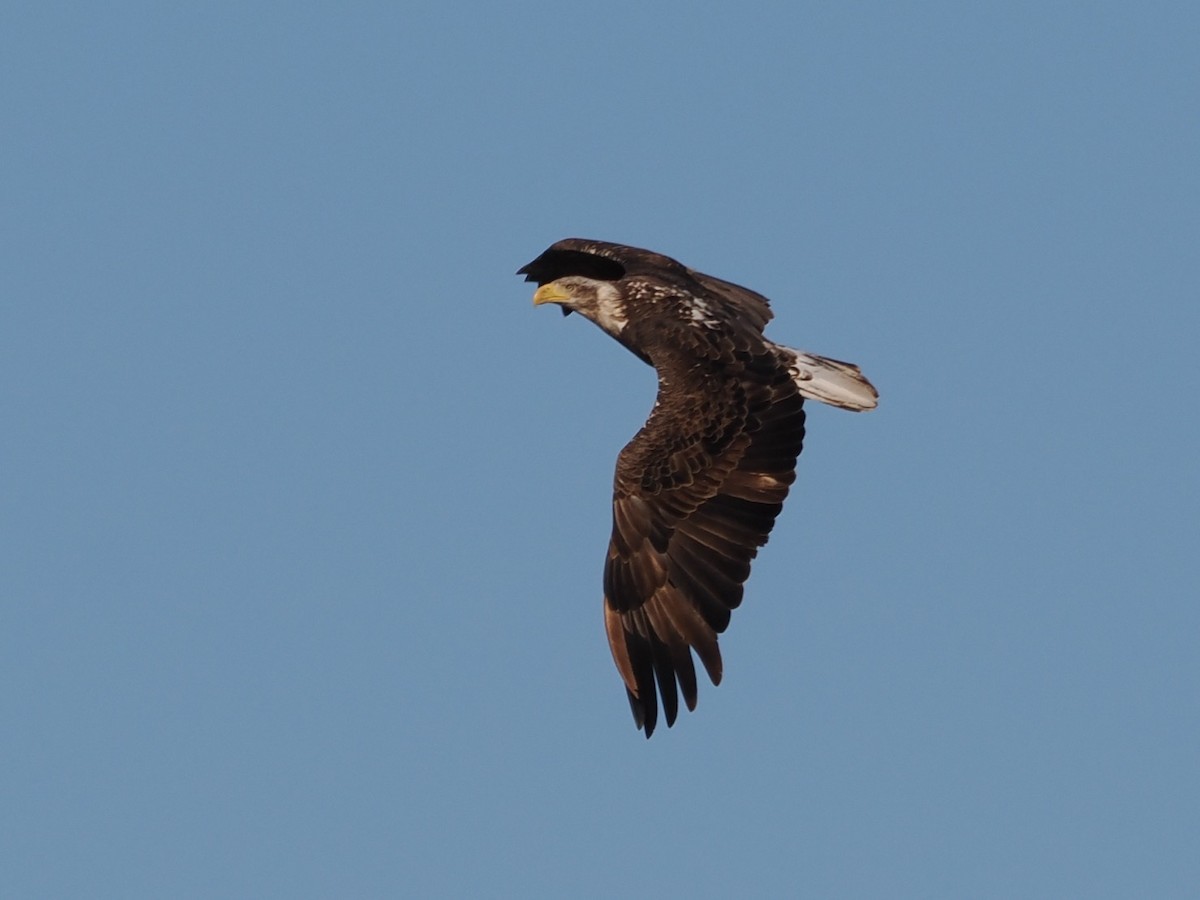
[(698, 489)]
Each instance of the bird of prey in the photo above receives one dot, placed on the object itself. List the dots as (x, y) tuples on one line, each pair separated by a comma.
[(698, 489)]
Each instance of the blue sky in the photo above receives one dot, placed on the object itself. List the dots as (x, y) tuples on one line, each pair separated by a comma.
[(304, 506)]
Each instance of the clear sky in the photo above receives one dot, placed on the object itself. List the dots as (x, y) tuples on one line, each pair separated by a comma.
[(303, 505)]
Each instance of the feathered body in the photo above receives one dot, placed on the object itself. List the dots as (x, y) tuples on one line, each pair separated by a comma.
[(698, 489)]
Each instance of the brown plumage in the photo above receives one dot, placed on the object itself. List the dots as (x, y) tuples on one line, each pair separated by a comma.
[(698, 489)]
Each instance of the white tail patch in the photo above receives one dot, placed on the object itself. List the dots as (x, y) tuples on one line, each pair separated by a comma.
[(831, 381)]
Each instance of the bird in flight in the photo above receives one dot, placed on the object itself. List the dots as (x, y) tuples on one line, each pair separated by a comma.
[(698, 489)]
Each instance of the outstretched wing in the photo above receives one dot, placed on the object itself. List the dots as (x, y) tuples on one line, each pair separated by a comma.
[(696, 494)]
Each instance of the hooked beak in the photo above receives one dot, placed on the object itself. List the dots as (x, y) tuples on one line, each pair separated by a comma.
[(552, 293)]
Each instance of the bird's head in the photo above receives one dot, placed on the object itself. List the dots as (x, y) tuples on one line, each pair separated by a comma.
[(600, 301), (589, 277)]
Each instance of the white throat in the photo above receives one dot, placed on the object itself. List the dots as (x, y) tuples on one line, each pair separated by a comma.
[(609, 312)]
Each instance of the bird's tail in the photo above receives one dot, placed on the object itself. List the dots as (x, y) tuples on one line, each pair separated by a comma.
[(831, 381)]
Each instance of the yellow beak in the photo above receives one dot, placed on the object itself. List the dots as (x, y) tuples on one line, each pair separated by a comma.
[(550, 293)]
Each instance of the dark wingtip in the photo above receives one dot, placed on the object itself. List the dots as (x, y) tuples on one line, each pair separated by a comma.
[(639, 714), (565, 258)]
